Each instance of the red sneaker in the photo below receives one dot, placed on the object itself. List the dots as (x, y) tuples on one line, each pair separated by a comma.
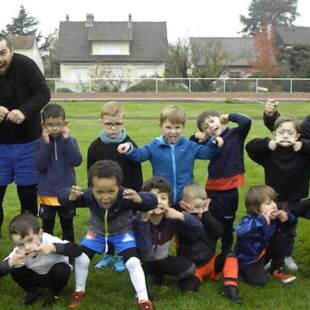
[(77, 298), (284, 277), (145, 305)]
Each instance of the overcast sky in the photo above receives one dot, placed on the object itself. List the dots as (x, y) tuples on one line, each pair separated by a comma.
[(184, 18)]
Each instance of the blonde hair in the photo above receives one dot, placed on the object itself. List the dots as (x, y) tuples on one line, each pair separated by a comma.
[(173, 114), (193, 191), (112, 108)]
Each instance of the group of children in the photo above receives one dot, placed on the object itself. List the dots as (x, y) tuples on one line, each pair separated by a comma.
[(139, 221)]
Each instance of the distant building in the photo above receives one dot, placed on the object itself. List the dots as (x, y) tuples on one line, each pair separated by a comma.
[(289, 36)]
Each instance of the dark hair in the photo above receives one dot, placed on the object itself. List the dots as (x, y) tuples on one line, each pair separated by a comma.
[(23, 224), (6, 39), (205, 114), (159, 183), (106, 169), (53, 110), (256, 195), (284, 119)]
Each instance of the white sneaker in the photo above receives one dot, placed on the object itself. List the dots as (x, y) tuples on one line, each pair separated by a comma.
[(268, 265), (290, 263)]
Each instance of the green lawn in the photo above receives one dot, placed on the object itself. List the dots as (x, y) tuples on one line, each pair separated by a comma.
[(114, 291)]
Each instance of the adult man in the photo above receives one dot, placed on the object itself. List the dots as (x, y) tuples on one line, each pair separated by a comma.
[(23, 93)]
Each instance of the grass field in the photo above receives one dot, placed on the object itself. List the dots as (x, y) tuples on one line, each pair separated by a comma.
[(109, 290)]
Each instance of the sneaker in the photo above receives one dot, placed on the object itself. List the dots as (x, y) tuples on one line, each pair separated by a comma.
[(49, 300), (290, 263), (268, 266), (30, 298), (145, 305), (119, 264), (105, 261), (284, 277), (77, 298), (231, 292)]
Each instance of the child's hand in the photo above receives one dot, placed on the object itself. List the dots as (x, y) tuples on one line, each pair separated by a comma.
[(65, 132), (123, 148), (224, 118), (75, 193), (272, 145), (297, 146), (271, 107), (267, 215), (45, 135), (46, 248), (201, 136), (282, 216), (17, 260), (188, 207), (132, 195), (173, 214), (220, 141)]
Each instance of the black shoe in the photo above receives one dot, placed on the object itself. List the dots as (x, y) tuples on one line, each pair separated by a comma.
[(29, 298), (231, 292), (49, 300)]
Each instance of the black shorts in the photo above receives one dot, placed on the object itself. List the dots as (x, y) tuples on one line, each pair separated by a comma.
[(49, 212)]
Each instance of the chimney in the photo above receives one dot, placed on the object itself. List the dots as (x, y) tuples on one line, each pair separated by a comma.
[(67, 17), (89, 20), (129, 21)]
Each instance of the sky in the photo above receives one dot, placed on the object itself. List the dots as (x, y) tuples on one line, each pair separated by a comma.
[(194, 18)]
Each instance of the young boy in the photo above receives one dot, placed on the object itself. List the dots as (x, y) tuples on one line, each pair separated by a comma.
[(105, 147), (172, 156), (286, 163), (155, 230), (260, 237), (226, 170), (200, 247), (55, 159), (110, 222), (38, 260)]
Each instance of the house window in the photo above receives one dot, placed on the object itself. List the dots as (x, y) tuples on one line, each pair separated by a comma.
[(235, 74), (110, 48)]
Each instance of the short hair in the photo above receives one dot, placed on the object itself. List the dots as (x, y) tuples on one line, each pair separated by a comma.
[(173, 114), (112, 108), (7, 40), (106, 169), (283, 119), (159, 183), (256, 195), (53, 110), (193, 191), (206, 114), (23, 224)]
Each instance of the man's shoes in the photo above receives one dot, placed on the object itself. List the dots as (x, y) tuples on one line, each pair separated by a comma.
[(76, 300), (49, 300), (231, 292), (284, 277), (30, 298), (119, 264), (105, 261), (290, 263), (145, 305)]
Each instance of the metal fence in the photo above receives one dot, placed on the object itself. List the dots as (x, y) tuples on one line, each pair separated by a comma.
[(171, 85)]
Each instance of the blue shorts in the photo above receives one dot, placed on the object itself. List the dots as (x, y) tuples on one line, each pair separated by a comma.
[(98, 243), (16, 163)]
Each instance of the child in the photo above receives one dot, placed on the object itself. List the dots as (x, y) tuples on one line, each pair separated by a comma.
[(200, 247), (260, 237), (226, 170), (55, 159), (286, 163), (155, 230), (105, 147), (38, 260), (172, 156), (110, 222)]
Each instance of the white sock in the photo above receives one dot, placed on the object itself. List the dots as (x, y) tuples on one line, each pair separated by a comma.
[(81, 272), (137, 277)]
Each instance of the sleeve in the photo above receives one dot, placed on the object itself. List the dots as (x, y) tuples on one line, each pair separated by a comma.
[(136, 174), (4, 267), (68, 249), (149, 202), (74, 157), (269, 120), (244, 123), (192, 221), (90, 156), (42, 155), (82, 202), (141, 154), (305, 128), (212, 225), (258, 150), (143, 235), (249, 225), (206, 150)]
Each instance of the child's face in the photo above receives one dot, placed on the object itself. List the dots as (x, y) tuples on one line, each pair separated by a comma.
[(105, 191), (212, 126), (55, 125), (171, 132), (286, 134), (29, 244), (269, 206), (163, 202), (113, 125)]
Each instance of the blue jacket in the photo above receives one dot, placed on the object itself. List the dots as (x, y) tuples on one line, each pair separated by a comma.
[(174, 162), (253, 236), (55, 162)]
